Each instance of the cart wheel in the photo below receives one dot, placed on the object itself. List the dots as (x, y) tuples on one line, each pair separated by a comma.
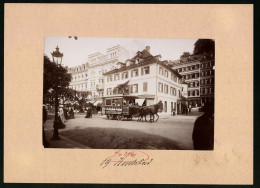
[(114, 117), (119, 117), (108, 117)]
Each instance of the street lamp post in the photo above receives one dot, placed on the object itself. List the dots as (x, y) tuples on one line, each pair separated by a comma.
[(57, 58)]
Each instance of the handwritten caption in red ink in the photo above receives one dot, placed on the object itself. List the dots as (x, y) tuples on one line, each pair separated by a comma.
[(127, 158)]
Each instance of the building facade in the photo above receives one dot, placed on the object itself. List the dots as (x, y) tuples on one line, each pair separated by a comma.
[(89, 76), (198, 72), (147, 77)]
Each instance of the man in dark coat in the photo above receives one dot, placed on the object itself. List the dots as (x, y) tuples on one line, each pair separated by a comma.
[(203, 132), (65, 113), (71, 112), (89, 113)]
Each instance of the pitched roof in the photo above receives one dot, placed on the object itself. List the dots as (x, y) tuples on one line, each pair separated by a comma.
[(145, 59)]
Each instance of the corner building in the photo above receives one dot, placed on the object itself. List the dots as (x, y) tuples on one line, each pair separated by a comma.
[(147, 77)]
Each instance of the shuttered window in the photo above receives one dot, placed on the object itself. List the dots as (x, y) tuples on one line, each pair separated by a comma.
[(165, 88), (145, 86)]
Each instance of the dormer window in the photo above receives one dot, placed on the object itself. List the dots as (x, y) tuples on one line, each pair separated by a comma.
[(136, 61), (129, 63)]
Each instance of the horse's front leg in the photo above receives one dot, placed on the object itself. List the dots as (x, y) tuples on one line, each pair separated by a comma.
[(157, 117)]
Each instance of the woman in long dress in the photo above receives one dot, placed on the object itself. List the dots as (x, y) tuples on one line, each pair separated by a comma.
[(61, 114)]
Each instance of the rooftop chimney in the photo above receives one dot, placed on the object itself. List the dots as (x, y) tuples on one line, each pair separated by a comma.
[(147, 48)]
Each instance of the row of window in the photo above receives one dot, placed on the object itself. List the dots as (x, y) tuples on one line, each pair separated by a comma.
[(166, 74), (112, 55), (207, 65), (93, 73), (207, 73), (197, 66), (164, 88), (131, 89), (188, 68), (207, 90), (193, 84), (100, 72), (202, 82), (79, 86), (202, 91), (207, 81), (84, 67), (125, 75), (191, 76), (193, 93), (79, 77)]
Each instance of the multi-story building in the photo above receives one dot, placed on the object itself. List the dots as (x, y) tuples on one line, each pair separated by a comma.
[(207, 72), (147, 77), (89, 76), (79, 77), (198, 72)]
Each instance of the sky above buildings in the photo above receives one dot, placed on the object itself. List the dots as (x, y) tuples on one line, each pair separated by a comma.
[(76, 51)]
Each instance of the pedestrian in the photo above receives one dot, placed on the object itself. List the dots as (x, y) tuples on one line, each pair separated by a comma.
[(173, 111), (203, 131), (89, 113), (71, 113), (61, 115), (190, 108), (65, 113), (186, 109)]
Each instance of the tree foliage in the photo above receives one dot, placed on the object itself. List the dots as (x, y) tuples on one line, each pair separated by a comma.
[(185, 54), (204, 46), (56, 79)]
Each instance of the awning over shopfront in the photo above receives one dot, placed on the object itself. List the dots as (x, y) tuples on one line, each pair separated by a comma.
[(146, 96), (123, 84), (97, 102)]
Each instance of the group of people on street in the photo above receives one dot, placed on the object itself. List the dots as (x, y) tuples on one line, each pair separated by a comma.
[(186, 108), (65, 113)]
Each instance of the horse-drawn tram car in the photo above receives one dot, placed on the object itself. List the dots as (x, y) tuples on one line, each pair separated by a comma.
[(127, 107)]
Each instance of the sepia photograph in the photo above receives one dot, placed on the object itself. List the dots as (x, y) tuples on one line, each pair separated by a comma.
[(128, 93)]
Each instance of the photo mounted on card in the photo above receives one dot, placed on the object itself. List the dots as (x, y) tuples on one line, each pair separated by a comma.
[(116, 94), (128, 93)]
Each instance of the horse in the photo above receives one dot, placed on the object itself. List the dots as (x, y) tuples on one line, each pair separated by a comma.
[(152, 111), (142, 113)]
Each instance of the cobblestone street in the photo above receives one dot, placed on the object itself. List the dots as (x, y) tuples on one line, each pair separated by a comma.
[(170, 132)]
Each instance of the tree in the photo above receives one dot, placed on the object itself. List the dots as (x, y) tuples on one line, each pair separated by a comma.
[(204, 46), (56, 79), (185, 54), (81, 98)]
